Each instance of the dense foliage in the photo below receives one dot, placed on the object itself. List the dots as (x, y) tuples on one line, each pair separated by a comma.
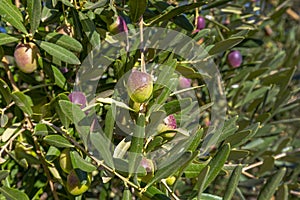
[(149, 99)]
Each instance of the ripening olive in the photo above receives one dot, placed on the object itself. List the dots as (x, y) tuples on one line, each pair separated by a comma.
[(26, 56)]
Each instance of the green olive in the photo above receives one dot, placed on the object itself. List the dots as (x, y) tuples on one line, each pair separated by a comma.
[(65, 161)]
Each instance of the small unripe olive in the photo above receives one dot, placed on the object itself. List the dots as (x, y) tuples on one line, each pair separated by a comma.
[(139, 86), (26, 56), (65, 161), (78, 182), (170, 180), (235, 59)]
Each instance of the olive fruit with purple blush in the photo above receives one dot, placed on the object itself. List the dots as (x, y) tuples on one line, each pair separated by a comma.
[(139, 86), (166, 128), (26, 56), (200, 23), (235, 59), (78, 98), (148, 165), (78, 182), (184, 82), (118, 26)]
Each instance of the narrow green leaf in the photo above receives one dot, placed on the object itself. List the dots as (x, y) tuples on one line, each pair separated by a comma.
[(67, 3), (215, 4), (10, 131), (196, 141), (233, 182), (230, 127), (225, 45), (137, 9), (176, 105), (5, 39), (217, 163), (59, 52), (137, 144), (102, 145), (90, 31), (109, 122), (155, 194), (3, 174), (92, 6), (23, 101), (238, 154), (5, 91), (12, 15), (282, 192), (3, 120), (79, 162), (170, 169), (267, 165), (78, 117), (174, 12), (127, 194), (183, 22), (202, 178), (218, 24), (35, 13), (52, 154), (156, 142), (59, 78), (13, 194), (243, 136), (57, 141), (42, 130), (206, 196), (194, 169), (48, 11), (64, 41), (272, 184), (54, 104), (189, 72)]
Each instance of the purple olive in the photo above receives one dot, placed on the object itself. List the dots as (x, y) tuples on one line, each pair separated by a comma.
[(78, 98), (139, 86), (200, 23), (184, 82), (235, 58), (168, 125), (148, 165), (170, 121), (118, 26), (26, 56)]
